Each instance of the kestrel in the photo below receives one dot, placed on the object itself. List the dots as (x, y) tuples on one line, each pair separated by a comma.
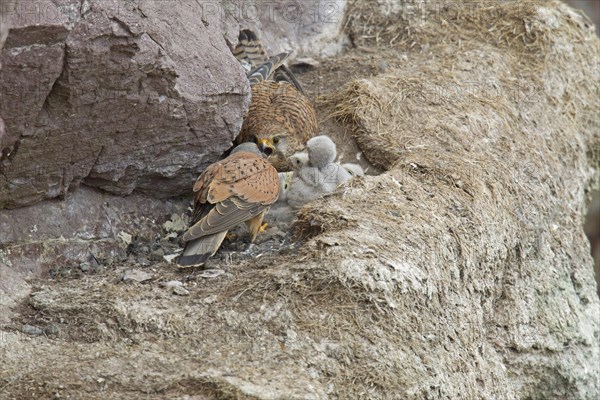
[(280, 118), (354, 169), (317, 173), (298, 160), (239, 188)]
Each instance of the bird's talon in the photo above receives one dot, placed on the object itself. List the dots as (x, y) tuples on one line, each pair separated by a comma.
[(231, 236), (263, 227)]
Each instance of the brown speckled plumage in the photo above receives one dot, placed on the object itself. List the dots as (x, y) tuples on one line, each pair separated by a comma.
[(280, 118), (238, 189)]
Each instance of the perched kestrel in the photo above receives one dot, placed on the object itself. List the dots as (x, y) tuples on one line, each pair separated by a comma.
[(239, 188), (280, 118)]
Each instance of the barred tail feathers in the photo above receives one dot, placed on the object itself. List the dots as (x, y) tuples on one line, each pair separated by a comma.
[(249, 49), (198, 251)]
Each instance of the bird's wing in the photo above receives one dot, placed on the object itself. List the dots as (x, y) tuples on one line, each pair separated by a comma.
[(275, 69), (236, 167), (224, 216), (242, 186), (264, 71), (198, 251), (250, 51), (284, 74)]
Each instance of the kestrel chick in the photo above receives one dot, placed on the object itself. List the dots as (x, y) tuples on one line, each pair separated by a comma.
[(304, 187), (285, 182), (354, 169), (311, 179), (316, 172), (239, 188), (321, 154), (321, 151), (280, 117), (299, 160)]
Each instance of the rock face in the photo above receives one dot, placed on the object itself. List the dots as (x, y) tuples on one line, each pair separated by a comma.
[(119, 96), (460, 272), (135, 95), (6, 10), (309, 29), (473, 131)]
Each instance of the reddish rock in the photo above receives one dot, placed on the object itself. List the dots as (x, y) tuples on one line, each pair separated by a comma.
[(57, 233), (6, 9), (116, 96)]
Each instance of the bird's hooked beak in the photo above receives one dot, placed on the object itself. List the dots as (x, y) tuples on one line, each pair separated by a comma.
[(266, 146)]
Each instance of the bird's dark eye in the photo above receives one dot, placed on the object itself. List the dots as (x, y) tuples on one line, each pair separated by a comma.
[(276, 140)]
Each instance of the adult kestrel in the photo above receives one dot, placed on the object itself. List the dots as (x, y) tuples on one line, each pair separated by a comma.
[(280, 118), (239, 188)]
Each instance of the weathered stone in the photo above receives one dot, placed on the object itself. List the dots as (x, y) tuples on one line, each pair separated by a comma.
[(79, 230), (309, 29), (6, 9), (32, 330), (52, 329), (180, 291), (171, 284), (12, 287), (120, 96), (136, 275)]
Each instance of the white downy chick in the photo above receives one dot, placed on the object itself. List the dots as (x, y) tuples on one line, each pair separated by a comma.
[(354, 169), (299, 160)]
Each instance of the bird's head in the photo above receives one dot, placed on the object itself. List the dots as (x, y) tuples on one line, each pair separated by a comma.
[(285, 181), (321, 151), (275, 147), (271, 144), (298, 160)]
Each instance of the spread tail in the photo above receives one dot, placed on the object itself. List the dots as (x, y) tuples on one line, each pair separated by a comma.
[(250, 50), (198, 251), (253, 56)]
